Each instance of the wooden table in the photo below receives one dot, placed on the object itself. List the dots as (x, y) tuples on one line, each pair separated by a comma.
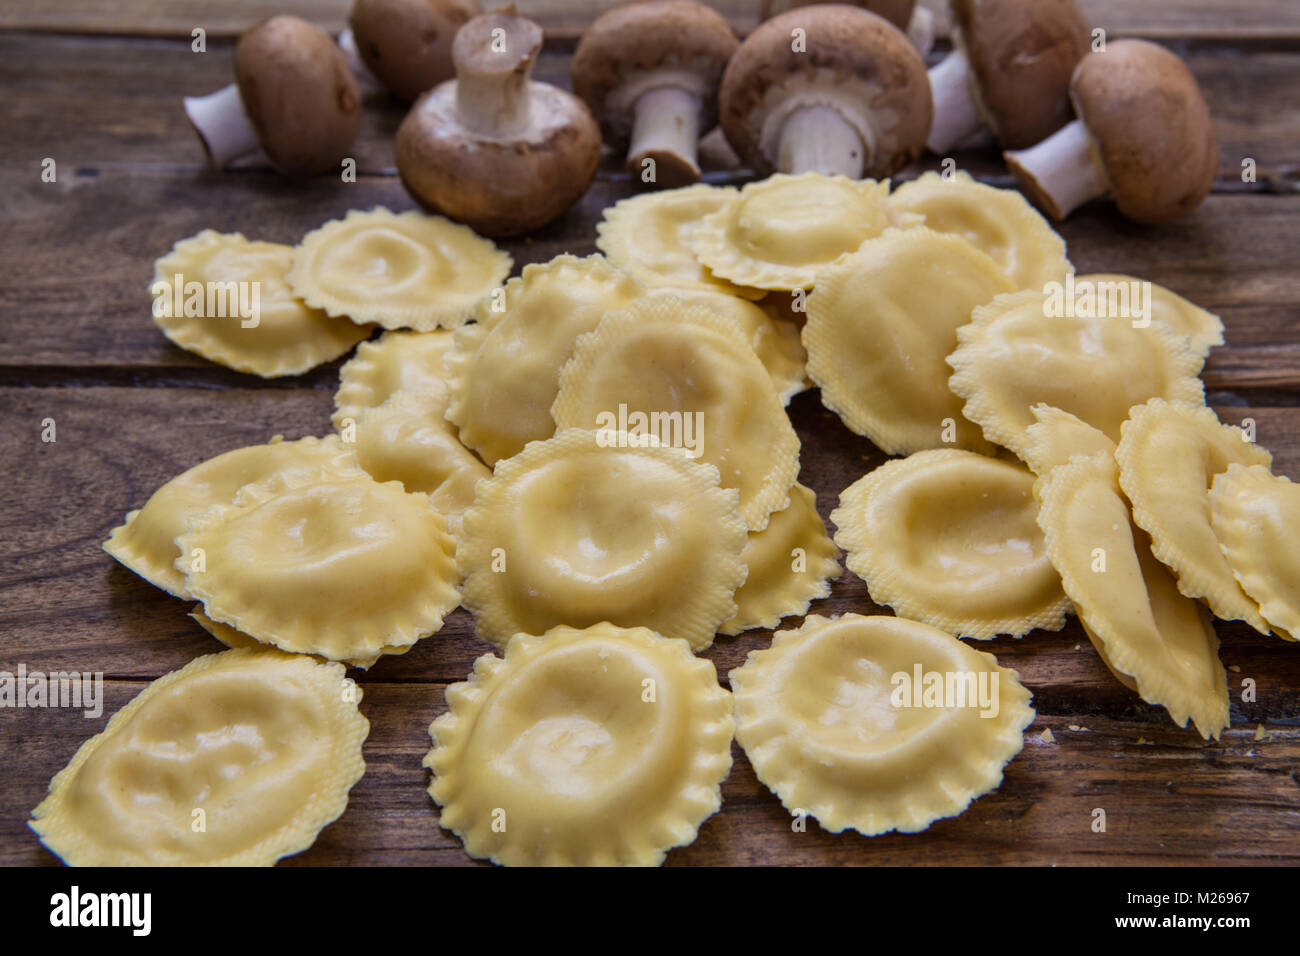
[(99, 92)]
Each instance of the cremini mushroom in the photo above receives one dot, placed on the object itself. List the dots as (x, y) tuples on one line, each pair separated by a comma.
[(649, 70), (826, 88), (1143, 135), (293, 95), (406, 44), (915, 19), (492, 148), (1010, 68)]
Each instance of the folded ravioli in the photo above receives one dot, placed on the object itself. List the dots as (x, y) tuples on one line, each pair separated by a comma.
[(336, 565), (594, 747), (238, 640), (881, 324), (777, 232), (645, 236), (1168, 457), (1256, 514), (998, 222), (259, 747), (504, 369), (1012, 356), (146, 542), (588, 527), (1202, 327), (789, 562), (227, 299), (402, 270), (395, 362), (1153, 639), (877, 723), (408, 439), (951, 538), (1057, 436)]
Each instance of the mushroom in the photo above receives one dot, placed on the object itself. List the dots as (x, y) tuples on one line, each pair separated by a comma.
[(1143, 134), (492, 148), (293, 95), (406, 44), (1010, 69), (912, 17), (649, 70), (847, 95)]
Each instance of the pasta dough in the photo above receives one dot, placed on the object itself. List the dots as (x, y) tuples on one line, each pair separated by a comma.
[(396, 362), (582, 747), (1203, 328), (238, 640), (1057, 436)]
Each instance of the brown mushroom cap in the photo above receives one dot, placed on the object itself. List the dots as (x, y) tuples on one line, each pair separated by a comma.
[(299, 94), (851, 43), (406, 44), (1022, 54), (1151, 126), (640, 37), (897, 12)]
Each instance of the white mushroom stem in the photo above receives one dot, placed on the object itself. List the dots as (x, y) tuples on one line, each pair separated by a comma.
[(817, 139), (348, 44), (955, 113), (222, 124), (1062, 171), (492, 76), (667, 122), (921, 30)]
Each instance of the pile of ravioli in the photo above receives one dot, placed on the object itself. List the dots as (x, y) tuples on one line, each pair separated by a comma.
[(595, 460)]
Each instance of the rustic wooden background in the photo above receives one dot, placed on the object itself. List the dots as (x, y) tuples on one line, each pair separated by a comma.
[(97, 86)]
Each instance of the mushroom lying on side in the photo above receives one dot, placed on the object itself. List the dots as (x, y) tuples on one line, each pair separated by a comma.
[(826, 88), (293, 95), (492, 148), (649, 70), (1010, 69), (1143, 134), (406, 44)]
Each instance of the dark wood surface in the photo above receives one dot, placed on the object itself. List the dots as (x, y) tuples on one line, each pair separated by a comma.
[(100, 95)]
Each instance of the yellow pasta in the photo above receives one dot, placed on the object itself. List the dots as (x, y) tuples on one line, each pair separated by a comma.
[(395, 362)]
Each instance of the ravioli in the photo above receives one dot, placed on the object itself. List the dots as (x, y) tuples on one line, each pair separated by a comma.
[(1012, 356), (238, 640), (1057, 436), (778, 232), (595, 747), (504, 370), (841, 719), (789, 563), (146, 542), (998, 222), (950, 538), (402, 270), (336, 565), (694, 377), (1168, 458), (237, 759), (1203, 328), (881, 324), (1155, 640), (1255, 516), (589, 527), (227, 299), (395, 362)]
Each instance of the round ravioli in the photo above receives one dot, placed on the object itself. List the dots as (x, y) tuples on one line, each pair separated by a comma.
[(1014, 355), (340, 566), (395, 362), (790, 562), (951, 538), (598, 526), (238, 640), (877, 723), (778, 232), (505, 369), (1057, 436), (402, 270), (1155, 640), (1168, 457), (595, 747), (686, 376), (998, 222), (227, 299), (1256, 514), (1203, 328), (881, 324), (645, 236), (237, 759), (146, 542)]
